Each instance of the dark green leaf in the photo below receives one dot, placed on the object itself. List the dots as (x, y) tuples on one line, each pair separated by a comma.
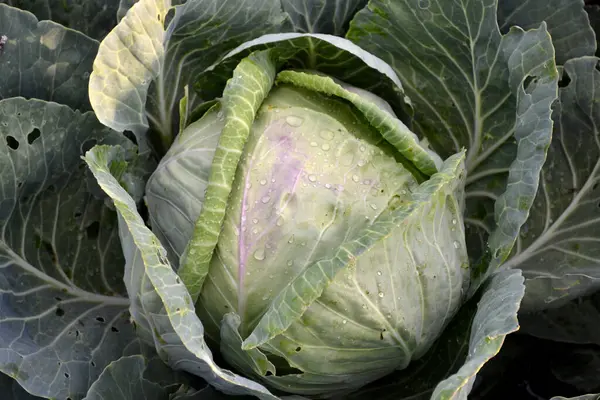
[(43, 60), (322, 16), (94, 18), (64, 311), (568, 24), (123, 380), (559, 246)]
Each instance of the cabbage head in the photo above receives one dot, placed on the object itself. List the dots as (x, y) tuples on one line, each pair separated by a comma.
[(309, 228), (338, 260)]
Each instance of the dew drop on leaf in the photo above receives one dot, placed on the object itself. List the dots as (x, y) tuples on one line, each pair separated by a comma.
[(294, 121), (259, 254)]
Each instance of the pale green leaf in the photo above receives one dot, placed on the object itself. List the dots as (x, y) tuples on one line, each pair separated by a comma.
[(128, 59), (185, 169), (252, 80), (64, 313), (161, 304), (496, 317), (471, 339), (292, 301), (44, 60), (392, 129)]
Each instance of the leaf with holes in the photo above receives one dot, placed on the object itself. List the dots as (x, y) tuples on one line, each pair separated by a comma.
[(64, 311), (559, 246)]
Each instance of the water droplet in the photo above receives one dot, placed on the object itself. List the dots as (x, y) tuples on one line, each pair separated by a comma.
[(312, 178), (273, 180), (380, 294), (294, 121), (344, 322), (259, 254), (347, 158), (290, 263), (454, 221), (255, 220), (367, 182), (456, 245), (263, 182), (255, 230), (362, 148), (355, 178), (265, 297), (248, 185), (373, 206), (280, 221), (423, 4), (326, 134), (328, 185), (277, 110), (361, 163), (265, 199), (325, 146), (379, 273), (364, 306), (314, 144), (291, 240)]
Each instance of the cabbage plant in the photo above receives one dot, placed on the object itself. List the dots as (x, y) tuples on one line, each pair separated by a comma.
[(311, 198)]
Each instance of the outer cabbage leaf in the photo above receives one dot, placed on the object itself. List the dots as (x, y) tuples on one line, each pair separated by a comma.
[(63, 314), (173, 217), (141, 50), (559, 246), (476, 88), (321, 16), (93, 18), (44, 60), (471, 339), (582, 397), (568, 24), (161, 304), (327, 54), (144, 377), (123, 379), (11, 390), (580, 368), (577, 321)]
